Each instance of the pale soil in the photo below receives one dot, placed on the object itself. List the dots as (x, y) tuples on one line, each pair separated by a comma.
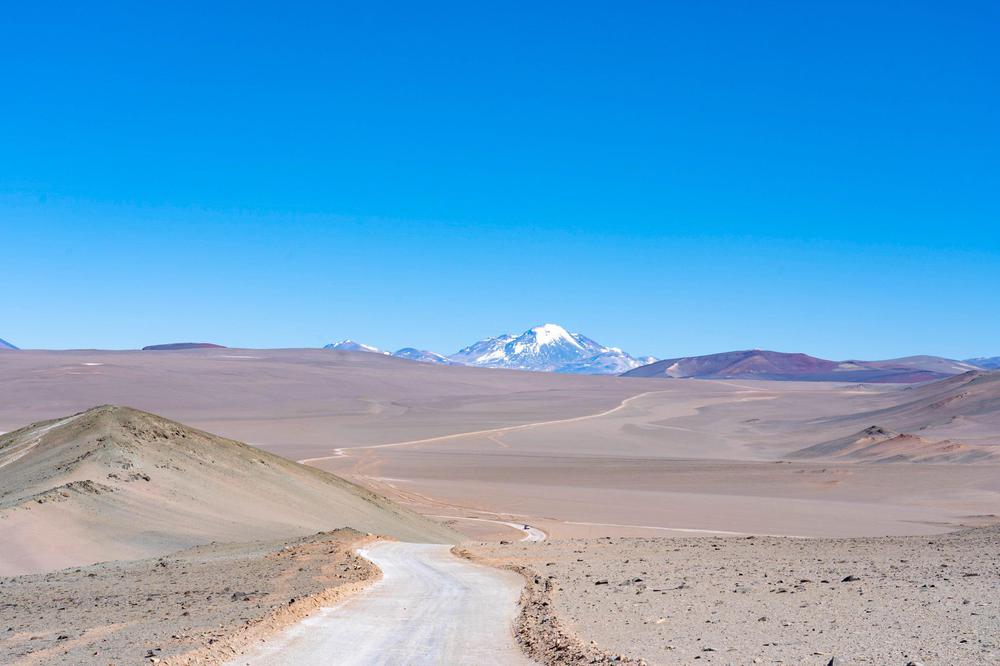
[(737, 600), (196, 606)]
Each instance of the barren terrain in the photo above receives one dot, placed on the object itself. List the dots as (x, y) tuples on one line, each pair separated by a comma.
[(611, 468), (116, 483), (742, 600), (195, 606), (578, 456)]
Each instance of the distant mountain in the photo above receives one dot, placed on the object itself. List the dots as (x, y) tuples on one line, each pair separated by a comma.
[(172, 346), (611, 362), (423, 356), (351, 345), (6, 345), (763, 364), (946, 366), (986, 362), (546, 348)]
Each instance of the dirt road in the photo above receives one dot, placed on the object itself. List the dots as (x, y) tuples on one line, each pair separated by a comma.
[(430, 607)]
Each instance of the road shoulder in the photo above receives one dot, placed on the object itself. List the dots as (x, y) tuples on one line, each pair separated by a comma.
[(199, 606)]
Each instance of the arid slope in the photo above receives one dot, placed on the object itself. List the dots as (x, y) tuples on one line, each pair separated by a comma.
[(113, 483)]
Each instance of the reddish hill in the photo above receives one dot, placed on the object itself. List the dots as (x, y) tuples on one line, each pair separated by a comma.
[(182, 345), (763, 364)]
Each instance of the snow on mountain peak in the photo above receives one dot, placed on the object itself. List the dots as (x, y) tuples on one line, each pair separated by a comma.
[(423, 356), (351, 345), (548, 348), (549, 333), (543, 348)]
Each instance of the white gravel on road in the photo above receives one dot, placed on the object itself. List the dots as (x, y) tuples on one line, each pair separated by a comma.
[(430, 607)]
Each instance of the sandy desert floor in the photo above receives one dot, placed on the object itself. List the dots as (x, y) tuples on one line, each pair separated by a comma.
[(193, 606), (739, 600), (698, 457), (613, 470), (608, 455)]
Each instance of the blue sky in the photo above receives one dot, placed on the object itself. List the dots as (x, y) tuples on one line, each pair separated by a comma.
[(671, 178)]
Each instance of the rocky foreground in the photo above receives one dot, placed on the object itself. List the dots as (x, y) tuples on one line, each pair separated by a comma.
[(197, 606), (893, 600)]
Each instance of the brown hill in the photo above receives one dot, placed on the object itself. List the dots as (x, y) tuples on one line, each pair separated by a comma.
[(763, 364), (965, 407), (173, 346), (114, 483)]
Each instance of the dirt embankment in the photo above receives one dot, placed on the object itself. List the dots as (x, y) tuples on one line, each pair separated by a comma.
[(760, 600), (199, 606), (539, 630)]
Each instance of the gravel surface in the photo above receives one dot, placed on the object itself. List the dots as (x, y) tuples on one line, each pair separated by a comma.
[(737, 600), (194, 606), (430, 607)]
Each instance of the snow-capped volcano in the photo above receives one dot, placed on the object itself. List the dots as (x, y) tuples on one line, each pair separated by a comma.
[(423, 356), (547, 348), (351, 345)]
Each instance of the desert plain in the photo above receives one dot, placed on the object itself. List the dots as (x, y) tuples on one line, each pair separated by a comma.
[(828, 478)]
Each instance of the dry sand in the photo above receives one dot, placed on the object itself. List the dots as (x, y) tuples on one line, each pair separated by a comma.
[(197, 606), (769, 600)]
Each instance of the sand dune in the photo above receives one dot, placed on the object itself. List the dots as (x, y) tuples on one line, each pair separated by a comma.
[(113, 483)]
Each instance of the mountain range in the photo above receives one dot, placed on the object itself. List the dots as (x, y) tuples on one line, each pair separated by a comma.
[(551, 348), (545, 348), (986, 362), (764, 364), (174, 346), (351, 345)]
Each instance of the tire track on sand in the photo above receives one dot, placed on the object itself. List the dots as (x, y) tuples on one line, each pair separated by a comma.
[(341, 452)]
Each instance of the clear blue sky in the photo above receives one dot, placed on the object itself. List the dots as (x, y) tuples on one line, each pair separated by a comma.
[(671, 178)]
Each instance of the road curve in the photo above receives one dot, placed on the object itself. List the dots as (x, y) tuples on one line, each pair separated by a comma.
[(530, 533), (430, 607), (340, 452)]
